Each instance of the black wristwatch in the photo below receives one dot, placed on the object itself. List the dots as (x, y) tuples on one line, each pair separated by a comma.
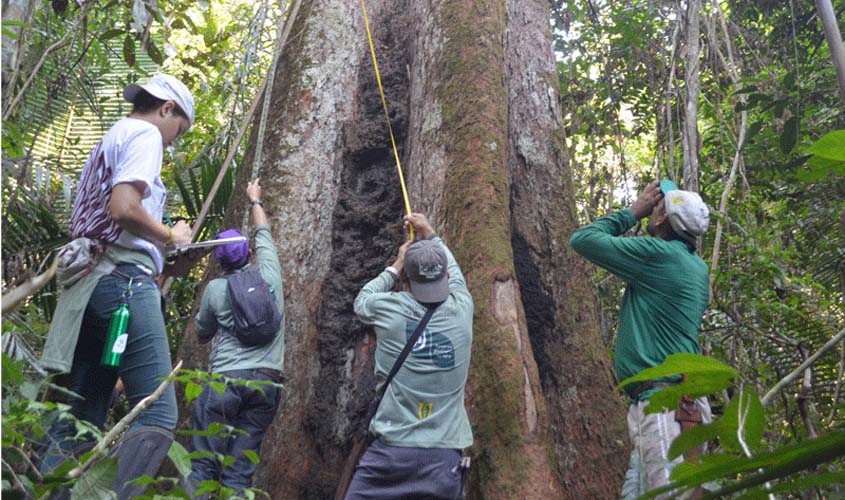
[(256, 202)]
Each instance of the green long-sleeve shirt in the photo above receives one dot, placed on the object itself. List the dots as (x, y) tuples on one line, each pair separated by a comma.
[(215, 314), (424, 404), (665, 298)]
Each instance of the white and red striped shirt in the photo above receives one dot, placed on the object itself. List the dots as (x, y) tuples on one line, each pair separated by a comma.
[(131, 151)]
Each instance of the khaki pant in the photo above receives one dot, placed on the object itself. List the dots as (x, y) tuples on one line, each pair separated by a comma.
[(651, 436)]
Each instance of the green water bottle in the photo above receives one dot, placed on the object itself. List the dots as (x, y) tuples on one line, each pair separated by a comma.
[(116, 340)]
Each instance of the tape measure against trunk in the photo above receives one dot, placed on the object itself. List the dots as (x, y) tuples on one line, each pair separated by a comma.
[(387, 117)]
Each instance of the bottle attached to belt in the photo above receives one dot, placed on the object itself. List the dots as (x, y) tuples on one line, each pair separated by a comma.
[(117, 336)]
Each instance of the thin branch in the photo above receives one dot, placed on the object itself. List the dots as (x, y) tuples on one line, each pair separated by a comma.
[(838, 393), (798, 371), (834, 41), (115, 431), (737, 161), (64, 41), (11, 299), (742, 417), (25, 457), (804, 395), (15, 479)]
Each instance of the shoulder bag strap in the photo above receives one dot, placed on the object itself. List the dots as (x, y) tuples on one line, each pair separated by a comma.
[(401, 359)]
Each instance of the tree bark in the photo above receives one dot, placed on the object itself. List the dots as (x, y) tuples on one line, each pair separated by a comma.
[(692, 81), (473, 100), (834, 41)]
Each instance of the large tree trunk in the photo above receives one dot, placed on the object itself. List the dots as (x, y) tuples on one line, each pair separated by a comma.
[(474, 103)]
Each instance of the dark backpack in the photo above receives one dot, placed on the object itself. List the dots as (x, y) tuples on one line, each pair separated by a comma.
[(256, 316)]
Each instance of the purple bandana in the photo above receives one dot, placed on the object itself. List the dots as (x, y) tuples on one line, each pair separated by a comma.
[(234, 255)]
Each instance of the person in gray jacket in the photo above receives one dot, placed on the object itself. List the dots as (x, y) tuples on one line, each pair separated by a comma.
[(247, 408), (421, 425)]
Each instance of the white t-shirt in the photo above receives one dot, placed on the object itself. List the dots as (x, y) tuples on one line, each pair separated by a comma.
[(131, 151)]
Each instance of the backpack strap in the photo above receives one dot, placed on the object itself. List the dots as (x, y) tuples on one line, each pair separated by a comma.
[(401, 360)]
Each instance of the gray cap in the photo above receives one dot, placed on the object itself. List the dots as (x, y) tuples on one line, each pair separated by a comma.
[(167, 88), (425, 267)]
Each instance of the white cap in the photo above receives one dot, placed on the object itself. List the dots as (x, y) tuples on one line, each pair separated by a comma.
[(688, 214), (167, 88)]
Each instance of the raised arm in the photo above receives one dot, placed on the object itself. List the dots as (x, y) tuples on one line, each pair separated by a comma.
[(265, 247), (601, 242), (365, 302)]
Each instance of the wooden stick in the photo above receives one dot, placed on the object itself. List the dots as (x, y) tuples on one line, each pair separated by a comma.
[(798, 371), (31, 286), (115, 431), (64, 41)]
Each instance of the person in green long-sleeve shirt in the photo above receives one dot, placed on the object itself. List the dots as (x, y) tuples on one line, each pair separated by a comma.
[(666, 294)]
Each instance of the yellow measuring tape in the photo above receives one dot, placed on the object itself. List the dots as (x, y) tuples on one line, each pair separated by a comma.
[(387, 117)]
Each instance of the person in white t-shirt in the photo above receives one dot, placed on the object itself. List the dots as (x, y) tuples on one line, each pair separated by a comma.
[(118, 208)]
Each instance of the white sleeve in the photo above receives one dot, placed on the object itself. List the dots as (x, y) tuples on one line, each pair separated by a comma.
[(139, 159)]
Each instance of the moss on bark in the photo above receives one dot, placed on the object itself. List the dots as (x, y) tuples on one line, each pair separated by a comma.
[(472, 91)]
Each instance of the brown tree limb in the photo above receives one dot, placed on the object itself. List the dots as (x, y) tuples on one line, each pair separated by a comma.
[(119, 427), (691, 146), (834, 41), (800, 370), (737, 160), (804, 396), (838, 392), (15, 296), (64, 41)]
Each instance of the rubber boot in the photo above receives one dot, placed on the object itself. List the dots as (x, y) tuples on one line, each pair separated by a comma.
[(140, 453)]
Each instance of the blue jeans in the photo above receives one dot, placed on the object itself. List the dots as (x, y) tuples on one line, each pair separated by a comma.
[(243, 408), (143, 366)]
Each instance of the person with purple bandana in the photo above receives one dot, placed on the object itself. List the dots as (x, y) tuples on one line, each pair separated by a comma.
[(248, 409)]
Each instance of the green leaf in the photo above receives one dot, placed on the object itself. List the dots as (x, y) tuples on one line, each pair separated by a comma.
[(704, 375), (154, 53), (192, 391), (796, 162), (752, 102), (789, 80), (693, 438), (818, 168), (180, 458), (29, 390), (218, 387), (789, 135), (830, 145), (96, 484), (108, 35), (753, 130), (11, 371), (129, 50), (252, 456), (746, 90), (682, 363), (778, 463), (745, 406), (805, 483)]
